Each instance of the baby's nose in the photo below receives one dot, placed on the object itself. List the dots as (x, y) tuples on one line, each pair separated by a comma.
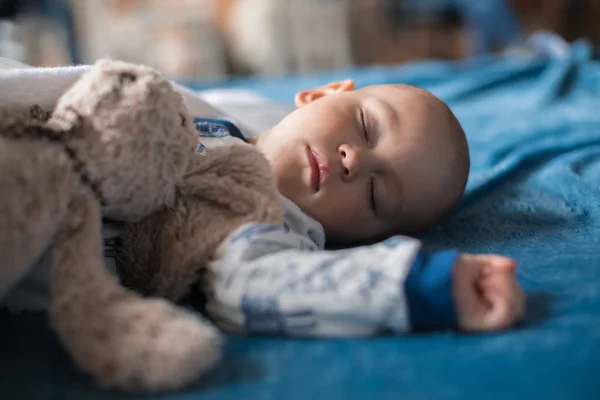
[(350, 162)]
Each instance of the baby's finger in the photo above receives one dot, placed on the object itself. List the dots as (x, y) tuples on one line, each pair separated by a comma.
[(509, 286), (501, 263), (500, 315), (486, 271), (487, 287), (507, 298), (494, 262)]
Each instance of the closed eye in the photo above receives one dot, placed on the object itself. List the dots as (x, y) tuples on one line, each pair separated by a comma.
[(363, 123)]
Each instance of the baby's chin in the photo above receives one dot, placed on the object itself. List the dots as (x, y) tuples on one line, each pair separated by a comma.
[(362, 238), (344, 242), (341, 237)]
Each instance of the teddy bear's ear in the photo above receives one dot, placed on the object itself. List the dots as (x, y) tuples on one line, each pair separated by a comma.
[(103, 62), (108, 66)]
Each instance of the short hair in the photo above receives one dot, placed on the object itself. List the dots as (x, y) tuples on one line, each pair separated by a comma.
[(460, 163)]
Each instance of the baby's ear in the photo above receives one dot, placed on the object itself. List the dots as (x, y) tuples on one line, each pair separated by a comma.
[(308, 96)]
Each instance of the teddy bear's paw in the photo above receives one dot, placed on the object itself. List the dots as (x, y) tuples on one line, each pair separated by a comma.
[(157, 347)]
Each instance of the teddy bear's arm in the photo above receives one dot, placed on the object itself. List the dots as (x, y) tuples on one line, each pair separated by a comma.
[(167, 252), (123, 340)]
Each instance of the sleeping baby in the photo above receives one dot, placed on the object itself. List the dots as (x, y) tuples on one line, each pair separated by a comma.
[(359, 166), (353, 167)]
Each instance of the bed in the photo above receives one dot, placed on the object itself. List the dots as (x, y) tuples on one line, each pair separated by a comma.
[(533, 122)]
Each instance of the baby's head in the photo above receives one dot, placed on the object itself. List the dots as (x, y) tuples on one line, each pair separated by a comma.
[(369, 163)]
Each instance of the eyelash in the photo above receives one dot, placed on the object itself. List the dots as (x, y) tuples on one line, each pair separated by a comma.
[(371, 193), (364, 125), (371, 188)]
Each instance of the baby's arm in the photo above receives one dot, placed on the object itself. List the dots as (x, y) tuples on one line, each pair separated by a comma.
[(273, 281)]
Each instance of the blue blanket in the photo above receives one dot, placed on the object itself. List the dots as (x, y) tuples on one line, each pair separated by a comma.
[(533, 124)]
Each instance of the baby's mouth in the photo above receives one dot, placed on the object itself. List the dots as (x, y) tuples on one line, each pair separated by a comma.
[(315, 174), (318, 168)]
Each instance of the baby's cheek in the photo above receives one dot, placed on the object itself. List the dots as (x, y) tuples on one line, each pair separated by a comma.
[(346, 212)]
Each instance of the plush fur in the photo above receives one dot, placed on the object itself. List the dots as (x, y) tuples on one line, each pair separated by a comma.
[(120, 145)]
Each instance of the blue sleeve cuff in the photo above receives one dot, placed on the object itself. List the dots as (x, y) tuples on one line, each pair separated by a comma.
[(428, 289)]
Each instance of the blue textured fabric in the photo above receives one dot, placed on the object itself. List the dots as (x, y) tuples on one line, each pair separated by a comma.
[(534, 127)]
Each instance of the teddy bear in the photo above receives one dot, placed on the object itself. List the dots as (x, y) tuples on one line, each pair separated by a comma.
[(120, 146)]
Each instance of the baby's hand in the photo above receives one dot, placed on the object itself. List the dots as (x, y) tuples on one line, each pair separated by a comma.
[(486, 293)]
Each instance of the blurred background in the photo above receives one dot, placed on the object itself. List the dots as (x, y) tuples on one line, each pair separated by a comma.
[(215, 39)]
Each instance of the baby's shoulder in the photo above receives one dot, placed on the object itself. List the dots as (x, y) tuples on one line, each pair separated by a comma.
[(300, 222)]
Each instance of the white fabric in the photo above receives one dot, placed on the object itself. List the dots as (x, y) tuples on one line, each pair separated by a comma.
[(275, 279), (240, 105)]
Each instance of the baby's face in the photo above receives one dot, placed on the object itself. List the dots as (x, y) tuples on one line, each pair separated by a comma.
[(365, 163)]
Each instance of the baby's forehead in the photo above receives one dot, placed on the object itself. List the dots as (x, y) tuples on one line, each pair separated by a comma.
[(398, 89), (407, 97), (400, 95)]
